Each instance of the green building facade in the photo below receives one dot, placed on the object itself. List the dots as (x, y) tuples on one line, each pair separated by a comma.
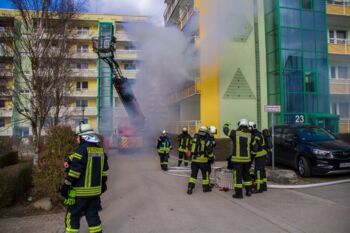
[(297, 62)]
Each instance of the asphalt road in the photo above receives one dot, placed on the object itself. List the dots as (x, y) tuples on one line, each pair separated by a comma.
[(143, 199)]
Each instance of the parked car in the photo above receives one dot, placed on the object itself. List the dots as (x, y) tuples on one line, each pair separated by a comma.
[(311, 150)]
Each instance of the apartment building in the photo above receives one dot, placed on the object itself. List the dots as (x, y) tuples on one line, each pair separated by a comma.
[(93, 98), (279, 58), (338, 12)]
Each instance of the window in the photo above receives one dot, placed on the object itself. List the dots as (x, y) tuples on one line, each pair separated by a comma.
[(81, 103), (130, 66), (82, 48), (343, 72), (2, 103), (307, 4), (83, 30), (344, 110), (333, 72), (334, 109), (83, 85), (82, 66), (337, 36), (2, 122), (310, 81)]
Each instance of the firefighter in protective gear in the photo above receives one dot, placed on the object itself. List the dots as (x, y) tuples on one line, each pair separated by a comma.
[(202, 152), (211, 132), (243, 143), (184, 140), (259, 159), (85, 181), (164, 146)]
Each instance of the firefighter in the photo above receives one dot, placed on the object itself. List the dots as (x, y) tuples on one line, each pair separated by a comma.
[(164, 146), (184, 140), (85, 181), (202, 152), (211, 132), (241, 156), (259, 159)]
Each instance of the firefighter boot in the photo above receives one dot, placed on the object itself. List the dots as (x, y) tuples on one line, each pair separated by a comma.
[(190, 188), (264, 187), (206, 188), (248, 191), (238, 193)]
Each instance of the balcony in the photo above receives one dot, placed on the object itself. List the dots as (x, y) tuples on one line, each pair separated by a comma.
[(77, 35), (78, 111), (6, 73), (84, 55), (183, 94), (126, 54), (84, 73), (6, 92), (5, 112), (339, 86), (84, 93), (192, 126), (338, 7), (4, 131), (121, 36), (339, 46), (131, 74)]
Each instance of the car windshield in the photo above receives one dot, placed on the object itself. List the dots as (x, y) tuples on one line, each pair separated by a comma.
[(313, 134)]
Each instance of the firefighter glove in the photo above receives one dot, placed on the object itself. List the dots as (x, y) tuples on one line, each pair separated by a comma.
[(65, 189), (70, 201)]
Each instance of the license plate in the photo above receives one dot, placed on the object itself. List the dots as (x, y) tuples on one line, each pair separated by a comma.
[(344, 165)]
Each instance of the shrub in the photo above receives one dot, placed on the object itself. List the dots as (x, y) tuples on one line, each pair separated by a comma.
[(49, 174), (15, 180), (8, 159)]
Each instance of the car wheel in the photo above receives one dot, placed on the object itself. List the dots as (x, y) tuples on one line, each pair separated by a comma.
[(304, 167)]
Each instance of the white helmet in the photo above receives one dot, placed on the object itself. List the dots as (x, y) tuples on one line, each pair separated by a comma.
[(252, 124), (203, 129), (164, 132), (212, 130), (184, 130), (243, 122), (83, 129)]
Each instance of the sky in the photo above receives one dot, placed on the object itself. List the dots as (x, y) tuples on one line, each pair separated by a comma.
[(152, 8)]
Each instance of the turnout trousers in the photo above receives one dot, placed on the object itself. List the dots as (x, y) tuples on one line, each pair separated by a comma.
[(164, 157), (182, 157), (260, 174), (241, 172), (84, 206), (195, 167)]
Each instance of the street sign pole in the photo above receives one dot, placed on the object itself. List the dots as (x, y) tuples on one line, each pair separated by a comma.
[(273, 140)]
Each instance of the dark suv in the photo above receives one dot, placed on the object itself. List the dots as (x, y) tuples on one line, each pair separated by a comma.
[(311, 150)]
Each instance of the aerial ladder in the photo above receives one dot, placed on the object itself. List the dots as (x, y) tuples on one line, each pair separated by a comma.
[(129, 133)]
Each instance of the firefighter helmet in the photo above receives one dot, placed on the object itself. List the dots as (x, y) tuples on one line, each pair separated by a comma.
[(243, 122), (164, 132), (184, 130), (203, 129), (252, 124), (83, 129), (212, 129)]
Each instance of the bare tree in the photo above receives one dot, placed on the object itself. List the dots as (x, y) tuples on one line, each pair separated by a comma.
[(41, 55)]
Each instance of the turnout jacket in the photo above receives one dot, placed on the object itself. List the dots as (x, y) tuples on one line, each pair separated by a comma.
[(88, 166), (243, 143), (164, 145), (202, 149), (260, 144), (184, 140)]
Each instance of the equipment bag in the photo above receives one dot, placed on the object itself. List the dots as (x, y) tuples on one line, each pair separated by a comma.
[(267, 138)]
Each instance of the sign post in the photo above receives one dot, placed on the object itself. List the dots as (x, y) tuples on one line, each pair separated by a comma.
[(272, 109)]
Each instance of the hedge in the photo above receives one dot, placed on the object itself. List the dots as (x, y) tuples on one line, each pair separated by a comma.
[(8, 159), (15, 180)]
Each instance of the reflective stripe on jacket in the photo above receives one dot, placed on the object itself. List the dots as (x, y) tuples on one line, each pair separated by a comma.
[(164, 145), (184, 142), (202, 149), (261, 146)]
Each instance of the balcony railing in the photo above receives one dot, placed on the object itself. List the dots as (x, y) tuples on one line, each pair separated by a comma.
[(121, 36), (183, 94), (127, 54), (339, 86), (170, 9), (84, 73), (5, 112), (77, 35), (6, 92), (192, 126), (129, 73), (84, 93), (339, 46), (4, 131), (78, 111), (338, 7), (84, 55)]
